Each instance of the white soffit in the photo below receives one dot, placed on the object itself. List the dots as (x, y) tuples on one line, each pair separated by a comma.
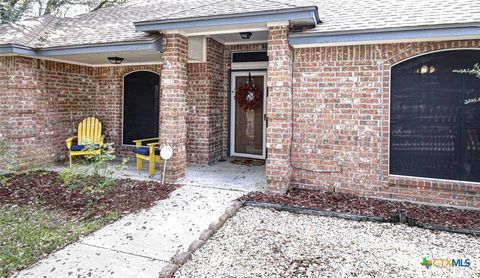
[(100, 59), (234, 38)]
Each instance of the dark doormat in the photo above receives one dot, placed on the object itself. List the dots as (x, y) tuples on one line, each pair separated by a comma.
[(248, 162)]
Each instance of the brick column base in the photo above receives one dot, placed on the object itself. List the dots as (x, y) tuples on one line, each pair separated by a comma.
[(279, 110), (173, 104)]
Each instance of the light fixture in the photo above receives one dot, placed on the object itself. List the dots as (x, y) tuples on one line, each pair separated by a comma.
[(115, 60), (424, 69), (245, 35)]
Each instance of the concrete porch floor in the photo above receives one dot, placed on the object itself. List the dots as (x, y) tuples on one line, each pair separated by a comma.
[(227, 175), (222, 175)]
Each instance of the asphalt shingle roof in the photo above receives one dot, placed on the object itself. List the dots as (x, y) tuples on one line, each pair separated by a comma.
[(26, 32), (351, 15), (116, 24)]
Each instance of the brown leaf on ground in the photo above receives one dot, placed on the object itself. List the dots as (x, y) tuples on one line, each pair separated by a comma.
[(48, 189), (333, 201)]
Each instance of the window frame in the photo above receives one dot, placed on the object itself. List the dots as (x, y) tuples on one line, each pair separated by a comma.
[(123, 102), (388, 150)]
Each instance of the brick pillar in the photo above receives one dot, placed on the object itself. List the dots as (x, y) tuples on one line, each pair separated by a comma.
[(173, 104), (279, 110)]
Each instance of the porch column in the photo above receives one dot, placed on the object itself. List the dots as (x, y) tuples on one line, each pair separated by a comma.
[(173, 104), (279, 110)]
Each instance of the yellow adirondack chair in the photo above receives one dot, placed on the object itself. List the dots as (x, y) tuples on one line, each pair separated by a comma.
[(150, 153), (89, 132)]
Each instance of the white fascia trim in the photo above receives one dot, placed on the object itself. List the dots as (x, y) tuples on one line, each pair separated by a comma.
[(461, 32), (426, 39)]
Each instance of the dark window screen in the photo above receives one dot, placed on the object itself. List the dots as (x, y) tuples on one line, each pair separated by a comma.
[(140, 106), (255, 56), (435, 117)]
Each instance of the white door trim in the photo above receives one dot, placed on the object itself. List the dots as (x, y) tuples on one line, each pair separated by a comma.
[(232, 113)]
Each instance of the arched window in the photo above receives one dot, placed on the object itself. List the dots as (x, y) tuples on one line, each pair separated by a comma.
[(435, 117), (141, 106)]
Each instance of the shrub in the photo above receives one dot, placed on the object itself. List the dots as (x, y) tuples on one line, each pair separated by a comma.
[(102, 178), (74, 178)]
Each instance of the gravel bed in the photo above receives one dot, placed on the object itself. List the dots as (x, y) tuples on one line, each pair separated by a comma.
[(259, 242)]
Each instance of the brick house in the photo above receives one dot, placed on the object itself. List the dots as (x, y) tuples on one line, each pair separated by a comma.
[(353, 96)]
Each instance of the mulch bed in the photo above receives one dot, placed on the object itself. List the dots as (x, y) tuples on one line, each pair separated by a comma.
[(346, 203), (48, 189)]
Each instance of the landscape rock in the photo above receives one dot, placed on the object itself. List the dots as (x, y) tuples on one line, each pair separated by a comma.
[(182, 258), (195, 245), (168, 271), (259, 242)]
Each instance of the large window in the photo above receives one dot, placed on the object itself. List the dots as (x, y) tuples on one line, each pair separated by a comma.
[(435, 117), (140, 106)]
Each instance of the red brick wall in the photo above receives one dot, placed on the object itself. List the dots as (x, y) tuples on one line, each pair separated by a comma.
[(41, 103), (341, 116), (173, 104), (279, 110), (205, 97)]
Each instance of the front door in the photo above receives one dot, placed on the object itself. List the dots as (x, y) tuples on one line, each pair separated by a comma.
[(247, 125)]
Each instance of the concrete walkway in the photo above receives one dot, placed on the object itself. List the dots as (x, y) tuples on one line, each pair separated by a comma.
[(224, 175), (141, 244)]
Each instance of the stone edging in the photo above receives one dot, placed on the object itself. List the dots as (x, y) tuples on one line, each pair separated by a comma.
[(343, 215), (359, 217), (181, 258)]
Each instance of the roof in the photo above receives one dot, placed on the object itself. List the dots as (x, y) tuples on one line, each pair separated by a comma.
[(26, 32), (116, 24), (369, 15)]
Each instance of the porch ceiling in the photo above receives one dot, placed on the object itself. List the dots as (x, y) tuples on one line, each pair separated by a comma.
[(235, 38), (94, 54), (101, 59)]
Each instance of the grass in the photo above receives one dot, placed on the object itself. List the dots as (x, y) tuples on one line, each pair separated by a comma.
[(29, 233)]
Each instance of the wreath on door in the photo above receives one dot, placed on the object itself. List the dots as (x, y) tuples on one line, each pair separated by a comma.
[(248, 96)]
